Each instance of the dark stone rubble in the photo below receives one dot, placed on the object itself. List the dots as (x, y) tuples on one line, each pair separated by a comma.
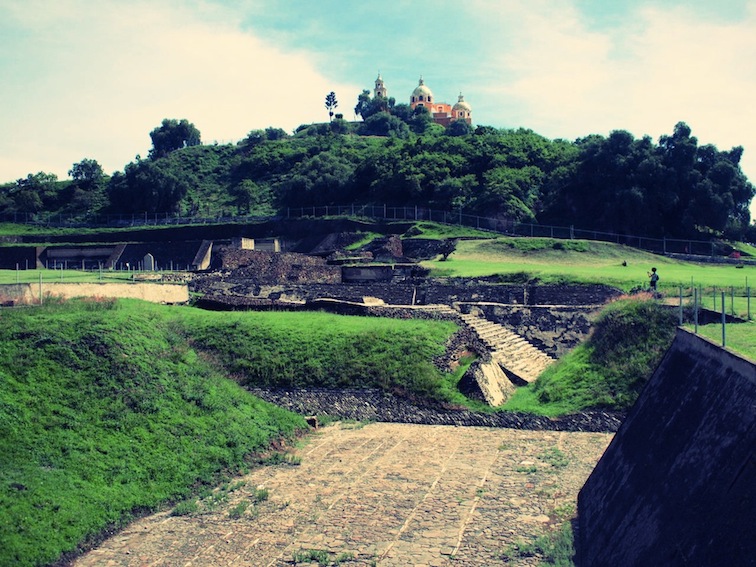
[(377, 405)]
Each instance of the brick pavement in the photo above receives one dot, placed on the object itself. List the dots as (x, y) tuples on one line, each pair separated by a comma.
[(382, 494)]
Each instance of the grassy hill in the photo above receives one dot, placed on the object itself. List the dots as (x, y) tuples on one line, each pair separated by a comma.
[(109, 408), (610, 369)]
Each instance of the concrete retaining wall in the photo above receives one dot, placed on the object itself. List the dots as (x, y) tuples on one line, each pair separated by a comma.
[(15, 294), (677, 484)]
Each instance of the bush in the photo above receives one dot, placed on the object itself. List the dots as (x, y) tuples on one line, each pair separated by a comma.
[(609, 370)]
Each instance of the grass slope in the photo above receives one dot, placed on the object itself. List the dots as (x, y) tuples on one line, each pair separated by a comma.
[(108, 408), (302, 350), (104, 410), (609, 370)]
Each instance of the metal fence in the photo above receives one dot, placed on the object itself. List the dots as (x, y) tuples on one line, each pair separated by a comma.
[(506, 227), (384, 212)]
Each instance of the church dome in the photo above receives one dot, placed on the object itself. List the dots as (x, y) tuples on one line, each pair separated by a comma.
[(422, 91), (461, 106)]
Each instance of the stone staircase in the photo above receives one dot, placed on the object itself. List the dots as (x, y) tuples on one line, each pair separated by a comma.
[(514, 361), (520, 360)]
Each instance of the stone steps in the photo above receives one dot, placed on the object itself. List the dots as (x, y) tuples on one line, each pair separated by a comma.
[(514, 361), (512, 352)]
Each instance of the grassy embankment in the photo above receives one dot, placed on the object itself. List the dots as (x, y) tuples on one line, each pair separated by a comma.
[(609, 370), (110, 408)]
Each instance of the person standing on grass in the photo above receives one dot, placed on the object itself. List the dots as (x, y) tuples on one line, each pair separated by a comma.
[(653, 279)]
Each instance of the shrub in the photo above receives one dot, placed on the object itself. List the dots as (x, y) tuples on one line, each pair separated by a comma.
[(609, 370)]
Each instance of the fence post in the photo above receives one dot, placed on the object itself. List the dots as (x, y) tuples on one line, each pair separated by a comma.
[(695, 308), (748, 301), (681, 307), (732, 300), (724, 319)]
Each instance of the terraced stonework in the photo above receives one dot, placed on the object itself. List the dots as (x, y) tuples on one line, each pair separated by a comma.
[(383, 494)]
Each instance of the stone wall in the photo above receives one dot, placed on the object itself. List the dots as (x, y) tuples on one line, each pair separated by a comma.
[(377, 405), (262, 282), (27, 294), (484, 290), (553, 329), (677, 485), (261, 267)]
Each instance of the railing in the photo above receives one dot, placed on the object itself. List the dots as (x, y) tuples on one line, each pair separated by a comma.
[(385, 212)]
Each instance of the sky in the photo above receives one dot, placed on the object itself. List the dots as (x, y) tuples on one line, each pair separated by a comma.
[(82, 79)]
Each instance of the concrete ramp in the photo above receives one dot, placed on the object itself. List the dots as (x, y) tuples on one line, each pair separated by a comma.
[(493, 383), (201, 259), (677, 485), (115, 256)]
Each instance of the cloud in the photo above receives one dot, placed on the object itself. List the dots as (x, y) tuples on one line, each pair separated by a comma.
[(563, 77), (104, 76), (91, 80)]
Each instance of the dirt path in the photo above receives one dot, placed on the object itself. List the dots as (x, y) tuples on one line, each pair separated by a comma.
[(383, 494)]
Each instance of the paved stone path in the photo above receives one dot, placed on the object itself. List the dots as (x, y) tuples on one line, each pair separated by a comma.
[(382, 494)]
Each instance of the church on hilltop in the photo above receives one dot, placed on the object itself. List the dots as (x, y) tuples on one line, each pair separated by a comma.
[(442, 113)]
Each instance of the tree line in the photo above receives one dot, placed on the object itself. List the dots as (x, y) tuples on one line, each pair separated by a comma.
[(673, 188)]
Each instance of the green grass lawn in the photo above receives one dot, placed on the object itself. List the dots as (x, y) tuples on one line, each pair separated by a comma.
[(437, 231), (65, 276), (583, 261), (740, 337), (315, 349), (108, 408)]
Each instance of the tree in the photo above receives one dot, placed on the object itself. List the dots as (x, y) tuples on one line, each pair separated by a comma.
[(403, 111), (384, 124), (149, 186), (363, 103), (331, 103), (421, 119), (250, 197), (458, 128), (339, 125), (367, 107), (173, 135), (275, 133), (87, 173), (36, 192), (87, 191)]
